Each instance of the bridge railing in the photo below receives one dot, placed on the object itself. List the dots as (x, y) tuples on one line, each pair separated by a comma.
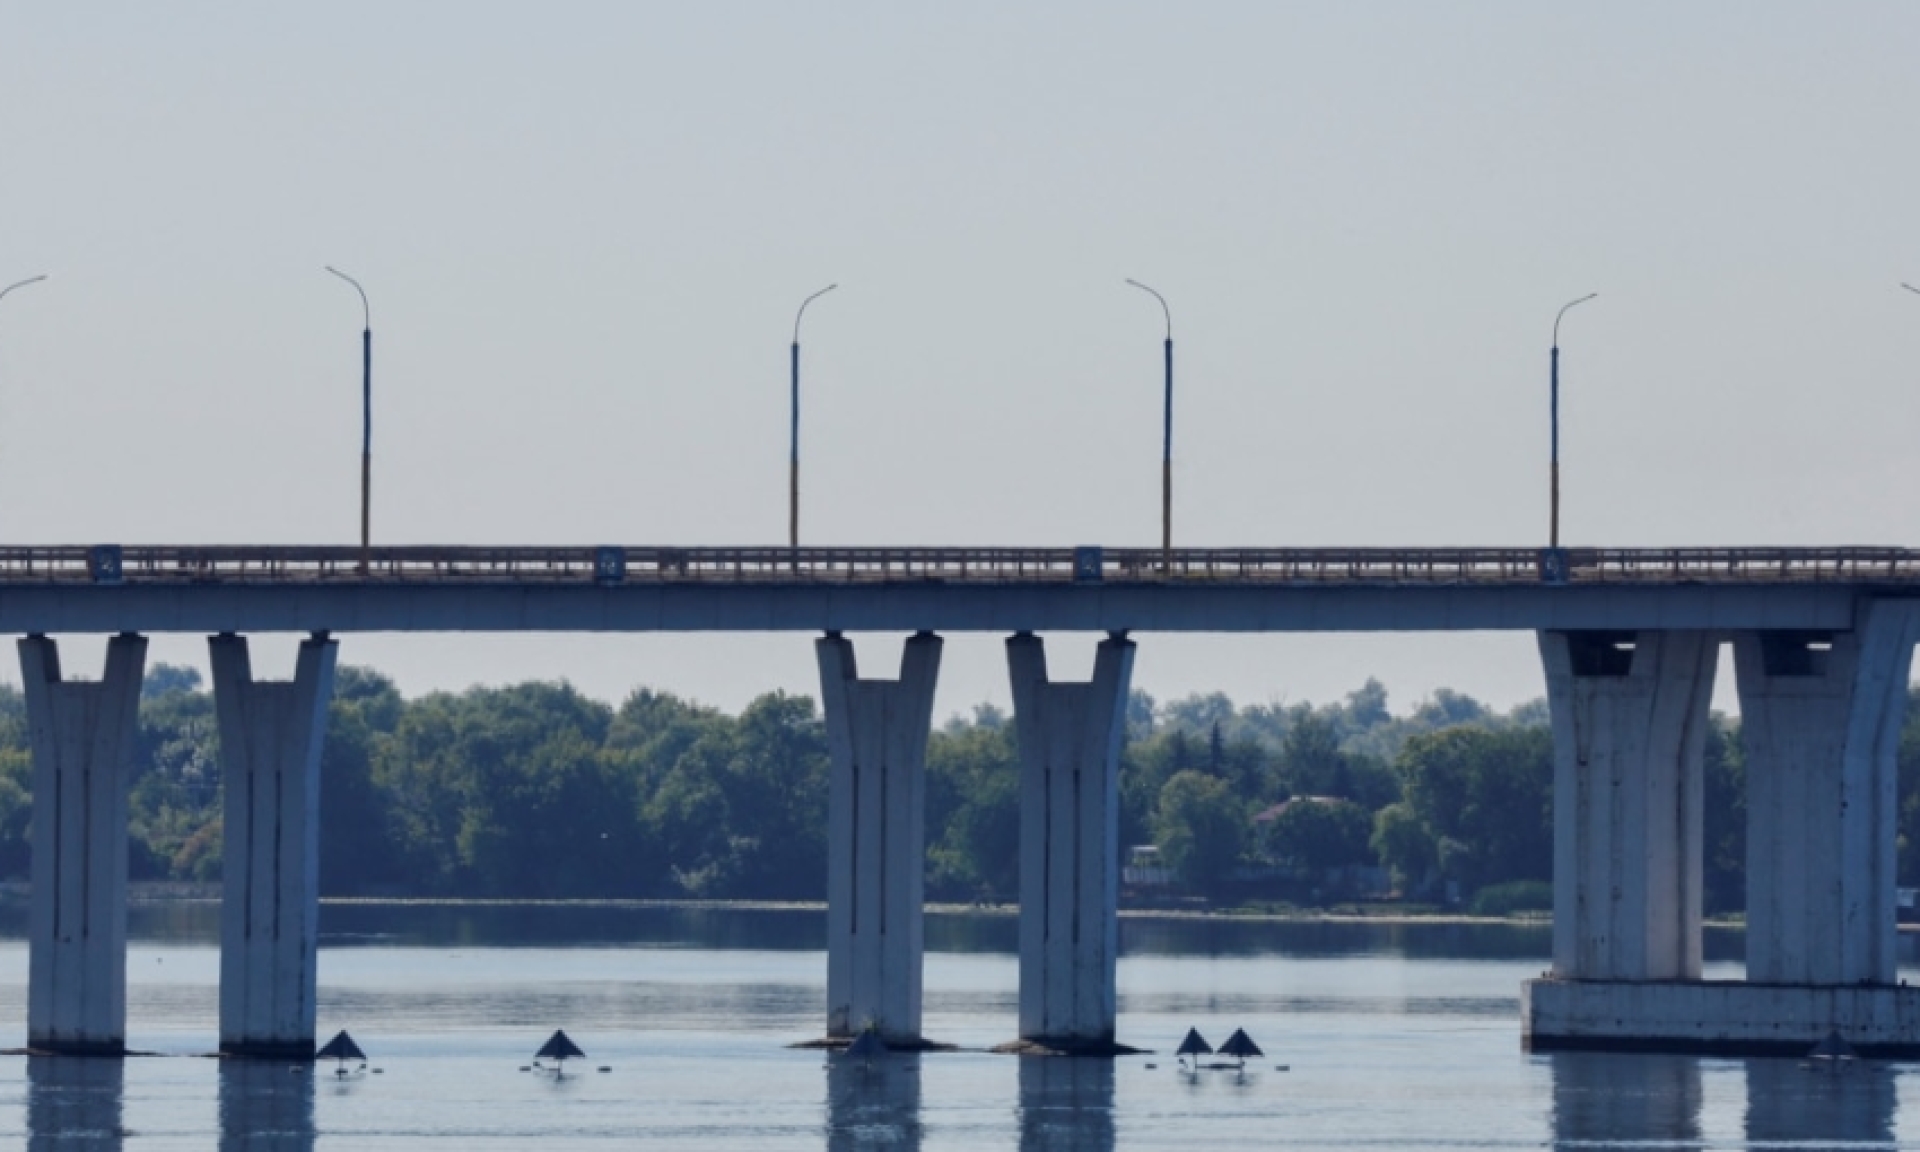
[(1745, 565), (280, 565)]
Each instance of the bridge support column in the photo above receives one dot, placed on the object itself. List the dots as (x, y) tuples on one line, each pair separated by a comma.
[(1630, 714), (1820, 723), (1070, 736), (270, 740), (876, 827), (82, 737), (1629, 731)]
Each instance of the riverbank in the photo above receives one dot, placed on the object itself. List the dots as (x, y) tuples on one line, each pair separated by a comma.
[(173, 892)]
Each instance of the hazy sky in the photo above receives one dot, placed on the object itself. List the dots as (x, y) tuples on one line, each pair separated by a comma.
[(585, 228)]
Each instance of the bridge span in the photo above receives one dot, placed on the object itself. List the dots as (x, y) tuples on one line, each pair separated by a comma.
[(615, 589), (1823, 641)]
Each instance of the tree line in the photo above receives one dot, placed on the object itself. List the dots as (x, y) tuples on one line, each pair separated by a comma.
[(535, 791)]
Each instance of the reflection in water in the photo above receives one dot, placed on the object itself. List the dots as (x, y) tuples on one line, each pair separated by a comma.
[(1791, 1103), (1066, 1102), (73, 1102), (873, 1103), (1615, 1100), (266, 1106), (803, 928)]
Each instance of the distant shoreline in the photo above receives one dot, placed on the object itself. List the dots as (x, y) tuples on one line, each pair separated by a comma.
[(147, 892)]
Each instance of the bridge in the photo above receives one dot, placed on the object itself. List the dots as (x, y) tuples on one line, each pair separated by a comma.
[(613, 589), (1823, 642)]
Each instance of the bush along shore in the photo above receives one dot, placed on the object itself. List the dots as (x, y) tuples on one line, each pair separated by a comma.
[(533, 791)]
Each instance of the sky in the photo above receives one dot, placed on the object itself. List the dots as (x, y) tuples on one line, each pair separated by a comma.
[(584, 229)]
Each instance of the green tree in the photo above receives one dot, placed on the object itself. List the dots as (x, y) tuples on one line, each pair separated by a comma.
[(1403, 844), (1366, 707), (504, 792), (415, 772), (538, 809), (1314, 762), (688, 818), (973, 812), (1145, 766), (1320, 834), (1198, 714), (1486, 797), (16, 812), (1907, 837), (652, 730), (167, 679), (777, 798), (360, 849), (173, 808), (16, 786), (1724, 820), (1202, 828), (1311, 763), (1141, 712)]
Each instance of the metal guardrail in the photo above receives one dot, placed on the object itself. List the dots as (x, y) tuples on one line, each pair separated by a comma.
[(308, 565)]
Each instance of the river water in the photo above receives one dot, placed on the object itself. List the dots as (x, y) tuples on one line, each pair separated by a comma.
[(1376, 1037)]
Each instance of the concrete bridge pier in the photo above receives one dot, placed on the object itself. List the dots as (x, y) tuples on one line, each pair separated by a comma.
[(876, 837), (1820, 721), (1070, 737), (1629, 714), (82, 737), (1820, 724), (270, 741)]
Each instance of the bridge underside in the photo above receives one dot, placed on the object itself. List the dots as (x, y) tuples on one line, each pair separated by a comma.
[(919, 606)]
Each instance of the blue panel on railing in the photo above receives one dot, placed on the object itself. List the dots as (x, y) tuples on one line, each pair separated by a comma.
[(1088, 562), (1553, 565), (609, 565), (103, 564)]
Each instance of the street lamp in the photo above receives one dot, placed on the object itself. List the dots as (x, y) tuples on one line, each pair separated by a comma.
[(793, 443), (1903, 284), (20, 284), (1553, 529), (1166, 438), (366, 419)]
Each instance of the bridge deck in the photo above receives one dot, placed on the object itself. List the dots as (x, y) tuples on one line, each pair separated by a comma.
[(606, 589), (175, 565)]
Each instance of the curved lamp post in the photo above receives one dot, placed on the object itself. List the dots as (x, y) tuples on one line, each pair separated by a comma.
[(1553, 499), (366, 419), (793, 430), (1903, 284), (20, 284), (1166, 438)]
